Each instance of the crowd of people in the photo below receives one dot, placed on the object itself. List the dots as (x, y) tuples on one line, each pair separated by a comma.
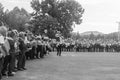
[(99, 45), (86, 45), (17, 47)]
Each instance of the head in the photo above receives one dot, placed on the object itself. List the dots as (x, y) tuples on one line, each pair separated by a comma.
[(22, 35), (3, 31), (16, 34), (11, 34)]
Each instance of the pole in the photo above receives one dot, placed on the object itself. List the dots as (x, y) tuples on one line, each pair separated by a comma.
[(118, 31)]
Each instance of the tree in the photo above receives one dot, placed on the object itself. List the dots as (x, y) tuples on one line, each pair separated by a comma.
[(62, 14), (17, 18), (1, 14), (75, 35), (44, 22)]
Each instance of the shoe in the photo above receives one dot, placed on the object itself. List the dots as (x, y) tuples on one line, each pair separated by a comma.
[(10, 74), (3, 74), (24, 68), (15, 70), (20, 69), (38, 58), (15, 67)]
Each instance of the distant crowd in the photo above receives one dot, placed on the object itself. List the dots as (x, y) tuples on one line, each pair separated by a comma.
[(86, 45)]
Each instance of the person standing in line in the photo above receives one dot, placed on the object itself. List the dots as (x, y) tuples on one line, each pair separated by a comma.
[(39, 48), (34, 47), (6, 49), (42, 52), (16, 43), (23, 49), (1, 55), (11, 40), (1, 64)]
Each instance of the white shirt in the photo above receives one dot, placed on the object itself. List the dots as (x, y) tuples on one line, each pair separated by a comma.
[(2, 39)]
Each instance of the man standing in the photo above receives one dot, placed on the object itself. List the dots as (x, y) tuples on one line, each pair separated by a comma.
[(59, 46), (1, 65), (9, 61), (5, 49), (59, 43), (1, 56), (23, 49)]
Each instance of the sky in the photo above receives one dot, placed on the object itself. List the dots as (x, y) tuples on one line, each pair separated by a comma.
[(99, 15)]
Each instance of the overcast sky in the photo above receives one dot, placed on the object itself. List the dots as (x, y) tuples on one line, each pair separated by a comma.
[(100, 15)]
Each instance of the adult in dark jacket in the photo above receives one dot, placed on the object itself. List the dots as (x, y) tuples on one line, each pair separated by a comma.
[(23, 49), (59, 47)]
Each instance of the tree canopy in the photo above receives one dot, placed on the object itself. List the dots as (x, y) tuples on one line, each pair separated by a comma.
[(14, 19), (2, 15), (17, 18), (55, 15)]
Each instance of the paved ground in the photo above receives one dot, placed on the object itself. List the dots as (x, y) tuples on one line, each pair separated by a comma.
[(72, 66)]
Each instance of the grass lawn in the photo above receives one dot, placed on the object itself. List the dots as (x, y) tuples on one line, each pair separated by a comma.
[(72, 66)]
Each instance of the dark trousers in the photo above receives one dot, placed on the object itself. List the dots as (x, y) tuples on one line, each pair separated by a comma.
[(1, 66), (7, 65), (33, 52), (42, 52), (12, 62), (21, 61), (58, 51), (38, 49)]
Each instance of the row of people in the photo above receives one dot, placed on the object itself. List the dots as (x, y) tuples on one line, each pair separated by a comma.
[(88, 47), (12, 51), (15, 48)]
